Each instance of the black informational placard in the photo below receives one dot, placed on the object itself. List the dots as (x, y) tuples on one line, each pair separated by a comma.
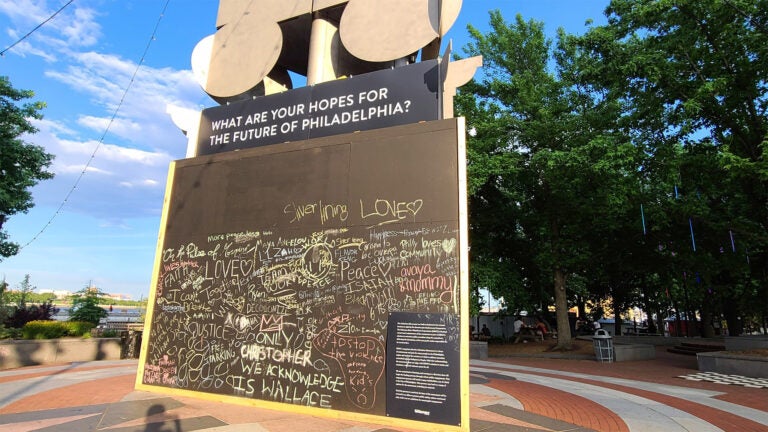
[(375, 100), (423, 365)]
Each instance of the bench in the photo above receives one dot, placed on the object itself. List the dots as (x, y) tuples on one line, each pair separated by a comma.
[(527, 334), (118, 326)]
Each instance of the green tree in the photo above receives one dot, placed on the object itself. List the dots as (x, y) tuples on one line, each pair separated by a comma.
[(694, 77), (23, 312), (85, 306), (22, 165), (23, 293), (546, 163), (5, 310)]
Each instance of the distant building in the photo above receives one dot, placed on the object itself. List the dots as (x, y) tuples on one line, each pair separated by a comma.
[(64, 294)]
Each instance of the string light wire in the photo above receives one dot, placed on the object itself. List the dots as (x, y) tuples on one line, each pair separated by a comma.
[(106, 130)]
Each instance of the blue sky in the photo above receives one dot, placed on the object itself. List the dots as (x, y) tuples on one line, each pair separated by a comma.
[(80, 64)]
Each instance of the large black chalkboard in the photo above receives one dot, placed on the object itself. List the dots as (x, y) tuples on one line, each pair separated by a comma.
[(278, 267)]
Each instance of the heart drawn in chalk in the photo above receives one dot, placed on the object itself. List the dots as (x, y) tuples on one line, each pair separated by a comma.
[(449, 245), (415, 206), (247, 267), (385, 268)]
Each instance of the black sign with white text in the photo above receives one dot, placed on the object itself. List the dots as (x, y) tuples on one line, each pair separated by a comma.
[(423, 367), (375, 100)]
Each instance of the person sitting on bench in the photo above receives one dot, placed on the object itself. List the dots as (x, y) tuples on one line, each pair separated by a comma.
[(486, 332), (518, 324)]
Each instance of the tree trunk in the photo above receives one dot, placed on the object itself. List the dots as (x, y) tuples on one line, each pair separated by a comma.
[(618, 307), (650, 310), (561, 310), (707, 330), (731, 314), (561, 299)]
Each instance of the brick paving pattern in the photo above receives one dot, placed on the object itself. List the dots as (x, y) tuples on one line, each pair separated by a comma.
[(510, 394)]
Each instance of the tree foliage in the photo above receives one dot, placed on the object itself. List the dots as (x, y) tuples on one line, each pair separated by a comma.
[(85, 306), (22, 165), (694, 78), (5, 310), (624, 164), (15, 316), (545, 163)]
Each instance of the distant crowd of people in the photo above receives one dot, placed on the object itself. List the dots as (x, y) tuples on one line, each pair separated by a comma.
[(584, 327), (538, 326), (541, 327)]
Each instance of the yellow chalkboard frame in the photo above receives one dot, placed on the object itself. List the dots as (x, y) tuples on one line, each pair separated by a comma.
[(457, 127)]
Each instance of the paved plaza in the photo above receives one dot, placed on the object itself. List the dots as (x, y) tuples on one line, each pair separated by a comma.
[(507, 394)]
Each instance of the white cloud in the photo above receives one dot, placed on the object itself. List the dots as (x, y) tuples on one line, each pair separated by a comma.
[(116, 153), (25, 11), (141, 118), (125, 176), (113, 153), (146, 183), (76, 169), (102, 87), (24, 48), (80, 64), (102, 191), (81, 29), (98, 124), (74, 26), (121, 127), (52, 127), (77, 148)]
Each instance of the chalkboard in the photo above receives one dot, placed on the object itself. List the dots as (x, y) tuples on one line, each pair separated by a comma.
[(278, 267)]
